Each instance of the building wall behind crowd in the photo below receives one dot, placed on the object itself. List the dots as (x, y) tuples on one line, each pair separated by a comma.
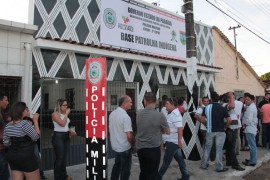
[(16, 60), (226, 80), (79, 22), (69, 33)]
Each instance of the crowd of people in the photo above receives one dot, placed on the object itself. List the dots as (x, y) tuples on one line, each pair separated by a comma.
[(227, 125), (153, 127), (19, 132)]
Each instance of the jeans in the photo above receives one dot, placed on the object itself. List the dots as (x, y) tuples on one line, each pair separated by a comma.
[(253, 148), (149, 159), (4, 171), (265, 134), (219, 138), (213, 149), (171, 151), (243, 137), (60, 142), (122, 165), (231, 137)]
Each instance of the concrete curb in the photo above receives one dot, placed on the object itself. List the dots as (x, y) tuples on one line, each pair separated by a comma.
[(264, 159)]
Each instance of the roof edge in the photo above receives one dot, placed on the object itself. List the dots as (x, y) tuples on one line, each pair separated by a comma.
[(17, 27), (241, 57)]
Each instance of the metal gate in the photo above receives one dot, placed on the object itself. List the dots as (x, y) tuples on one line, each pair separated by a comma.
[(114, 91), (11, 87), (74, 91)]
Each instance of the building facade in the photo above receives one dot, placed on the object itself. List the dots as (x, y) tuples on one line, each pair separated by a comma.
[(237, 75), (53, 66), (16, 60), (69, 33)]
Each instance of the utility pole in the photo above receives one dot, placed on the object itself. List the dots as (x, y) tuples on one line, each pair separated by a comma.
[(191, 54), (187, 9), (233, 28)]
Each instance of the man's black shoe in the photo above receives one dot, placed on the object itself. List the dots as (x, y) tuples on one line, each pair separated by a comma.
[(258, 145), (248, 164), (238, 168), (223, 170)]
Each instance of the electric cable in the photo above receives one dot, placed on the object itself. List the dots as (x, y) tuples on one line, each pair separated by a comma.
[(265, 34), (239, 22)]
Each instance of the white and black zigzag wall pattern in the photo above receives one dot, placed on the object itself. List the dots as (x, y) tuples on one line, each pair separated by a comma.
[(79, 21), (68, 64)]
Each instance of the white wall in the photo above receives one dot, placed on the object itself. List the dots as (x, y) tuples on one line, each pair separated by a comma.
[(15, 54), (227, 79)]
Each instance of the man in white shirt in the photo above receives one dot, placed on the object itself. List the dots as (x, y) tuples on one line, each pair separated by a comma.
[(234, 109), (250, 122), (198, 114), (122, 139), (173, 141)]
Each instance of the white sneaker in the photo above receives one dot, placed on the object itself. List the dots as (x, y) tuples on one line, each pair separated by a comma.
[(211, 162)]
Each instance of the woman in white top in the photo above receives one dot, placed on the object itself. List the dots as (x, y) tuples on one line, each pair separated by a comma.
[(60, 138)]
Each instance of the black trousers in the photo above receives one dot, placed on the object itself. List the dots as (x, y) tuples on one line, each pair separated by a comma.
[(60, 142), (149, 159), (231, 137)]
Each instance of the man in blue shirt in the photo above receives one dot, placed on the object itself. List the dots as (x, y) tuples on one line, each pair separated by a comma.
[(215, 115)]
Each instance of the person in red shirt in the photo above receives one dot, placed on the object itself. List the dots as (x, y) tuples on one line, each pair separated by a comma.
[(266, 125)]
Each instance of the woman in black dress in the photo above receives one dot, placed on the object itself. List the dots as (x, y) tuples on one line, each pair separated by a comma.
[(19, 136)]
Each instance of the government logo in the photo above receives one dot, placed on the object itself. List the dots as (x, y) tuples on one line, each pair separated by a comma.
[(109, 18), (183, 37), (94, 72)]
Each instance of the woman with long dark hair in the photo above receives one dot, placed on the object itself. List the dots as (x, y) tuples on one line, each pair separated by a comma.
[(60, 139), (20, 136)]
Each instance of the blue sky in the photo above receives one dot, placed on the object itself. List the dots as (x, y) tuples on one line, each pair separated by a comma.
[(251, 14)]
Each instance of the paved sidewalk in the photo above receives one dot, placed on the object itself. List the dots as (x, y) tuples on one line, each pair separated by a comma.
[(78, 172)]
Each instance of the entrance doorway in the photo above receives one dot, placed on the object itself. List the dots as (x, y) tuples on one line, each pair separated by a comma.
[(73, 90), (132, 112), (11, 87), (114, 91)]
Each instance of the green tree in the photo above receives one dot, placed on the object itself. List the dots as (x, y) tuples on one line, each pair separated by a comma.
[(265, 76)]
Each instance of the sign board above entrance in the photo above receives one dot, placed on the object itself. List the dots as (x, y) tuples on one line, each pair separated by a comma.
[(134, 26)]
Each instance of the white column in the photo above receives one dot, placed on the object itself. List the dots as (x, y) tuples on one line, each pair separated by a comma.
[(191, 73), (27, 85)]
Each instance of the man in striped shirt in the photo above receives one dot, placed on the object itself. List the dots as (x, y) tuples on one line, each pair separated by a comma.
[(215, 115)]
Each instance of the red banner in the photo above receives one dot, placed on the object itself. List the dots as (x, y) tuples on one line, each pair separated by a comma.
[(96, 98), (95, 118)]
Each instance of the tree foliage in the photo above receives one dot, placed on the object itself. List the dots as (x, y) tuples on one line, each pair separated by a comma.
[(265, 76)]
